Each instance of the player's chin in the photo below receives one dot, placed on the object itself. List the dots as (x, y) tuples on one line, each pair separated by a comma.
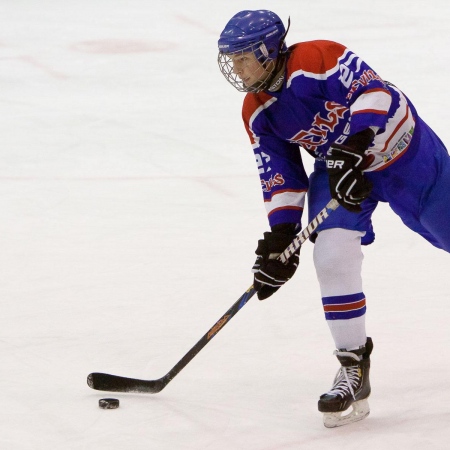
[(253, 85)]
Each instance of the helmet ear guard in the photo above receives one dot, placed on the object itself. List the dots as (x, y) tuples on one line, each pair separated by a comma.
[(261, 33), (264, 50)]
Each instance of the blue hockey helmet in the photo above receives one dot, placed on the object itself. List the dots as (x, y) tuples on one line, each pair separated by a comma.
[(250, 28), (260, 32)]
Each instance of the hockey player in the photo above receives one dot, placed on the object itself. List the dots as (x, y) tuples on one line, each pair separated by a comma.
[(370, 146)]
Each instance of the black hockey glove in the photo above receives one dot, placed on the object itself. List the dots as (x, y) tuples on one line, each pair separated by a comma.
[(345, 165), (270, 273)]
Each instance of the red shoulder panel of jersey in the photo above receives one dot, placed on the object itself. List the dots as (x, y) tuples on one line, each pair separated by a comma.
[(252, 102), (314, 56)]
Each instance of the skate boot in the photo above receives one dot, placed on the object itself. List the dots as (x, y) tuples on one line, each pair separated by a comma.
[(351, 387)]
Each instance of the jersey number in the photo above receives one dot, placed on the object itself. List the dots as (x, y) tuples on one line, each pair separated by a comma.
[(260, 160), (346, 74)]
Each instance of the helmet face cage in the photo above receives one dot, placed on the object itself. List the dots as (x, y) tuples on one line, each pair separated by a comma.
[(260, 36), (260, 64)]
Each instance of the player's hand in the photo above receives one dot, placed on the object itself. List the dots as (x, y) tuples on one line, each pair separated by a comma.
[(348, 185), (270, 273)]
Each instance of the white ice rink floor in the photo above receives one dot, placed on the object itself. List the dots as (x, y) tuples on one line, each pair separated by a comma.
[(130, 210)]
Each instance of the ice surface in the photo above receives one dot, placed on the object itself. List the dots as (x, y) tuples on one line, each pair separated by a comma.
[(130, 213)]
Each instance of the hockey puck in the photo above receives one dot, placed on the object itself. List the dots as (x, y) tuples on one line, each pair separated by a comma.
[(108, 403)]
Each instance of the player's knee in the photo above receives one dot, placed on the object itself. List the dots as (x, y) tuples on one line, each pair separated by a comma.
[(337, 253)]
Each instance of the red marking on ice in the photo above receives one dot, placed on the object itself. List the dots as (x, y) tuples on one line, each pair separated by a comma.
[(121, 46), (35, 63), (196, 24), (204, 180)]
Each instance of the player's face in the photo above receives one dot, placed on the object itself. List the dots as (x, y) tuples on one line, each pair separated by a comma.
[(247, 67)]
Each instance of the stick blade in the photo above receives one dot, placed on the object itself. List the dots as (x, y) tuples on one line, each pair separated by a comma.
[(114, 383)]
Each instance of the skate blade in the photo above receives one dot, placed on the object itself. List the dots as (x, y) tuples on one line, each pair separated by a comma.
[(360, 410)]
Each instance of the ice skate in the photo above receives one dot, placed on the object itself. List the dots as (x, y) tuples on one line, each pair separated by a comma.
[(351, 388)]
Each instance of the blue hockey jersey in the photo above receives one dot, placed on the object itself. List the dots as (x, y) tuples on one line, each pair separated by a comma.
[(328, 94)]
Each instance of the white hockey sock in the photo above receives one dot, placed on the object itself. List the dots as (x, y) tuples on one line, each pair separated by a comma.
[(338, 260)]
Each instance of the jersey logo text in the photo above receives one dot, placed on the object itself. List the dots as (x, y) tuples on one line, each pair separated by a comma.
[(276, 180), (317, 135)]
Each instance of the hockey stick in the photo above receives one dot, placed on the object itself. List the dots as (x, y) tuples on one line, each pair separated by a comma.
[(115, 383)]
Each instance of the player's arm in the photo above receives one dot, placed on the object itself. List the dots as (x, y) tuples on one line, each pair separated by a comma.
[(353, 83), (369, 100), (326, 69), (284, 184)]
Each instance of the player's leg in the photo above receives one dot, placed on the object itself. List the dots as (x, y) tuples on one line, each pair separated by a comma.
[(435, 216), (338, 262), (417, 187), (319, 195), (435, 211)]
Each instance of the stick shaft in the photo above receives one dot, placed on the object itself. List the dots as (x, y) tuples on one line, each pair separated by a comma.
[(115, 383)]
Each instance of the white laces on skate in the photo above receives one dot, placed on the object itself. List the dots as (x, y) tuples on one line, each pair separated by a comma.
[(347, 378)]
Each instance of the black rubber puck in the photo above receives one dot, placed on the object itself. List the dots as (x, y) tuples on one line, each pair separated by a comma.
[(108, 403)]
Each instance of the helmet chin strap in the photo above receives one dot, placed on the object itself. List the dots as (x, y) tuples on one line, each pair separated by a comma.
[(277, 80)]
